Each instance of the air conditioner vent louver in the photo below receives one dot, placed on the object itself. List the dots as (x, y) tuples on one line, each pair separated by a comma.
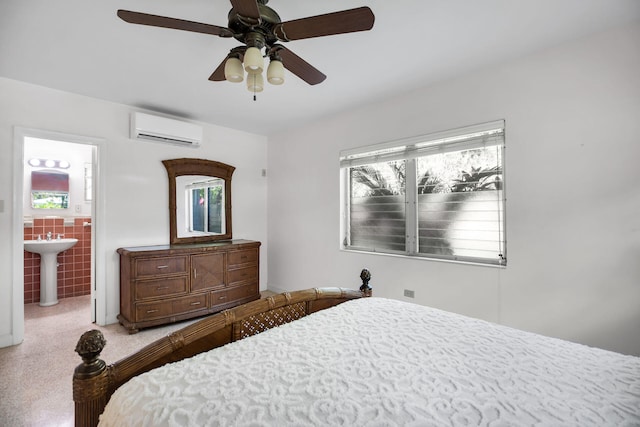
[(162, 129), (165, 139)]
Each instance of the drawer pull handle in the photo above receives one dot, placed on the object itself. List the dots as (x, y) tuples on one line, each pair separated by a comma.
[(151, 311), (221, 298), (160, 267), (161, 288), (195, 303), (195, 273)]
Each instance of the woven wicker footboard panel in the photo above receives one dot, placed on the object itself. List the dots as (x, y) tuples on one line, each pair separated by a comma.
[(261, 322)]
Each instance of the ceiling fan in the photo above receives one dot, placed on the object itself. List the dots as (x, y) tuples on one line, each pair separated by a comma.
[(259, 27)]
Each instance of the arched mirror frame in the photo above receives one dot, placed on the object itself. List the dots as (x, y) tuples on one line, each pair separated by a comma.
[(182, 167)]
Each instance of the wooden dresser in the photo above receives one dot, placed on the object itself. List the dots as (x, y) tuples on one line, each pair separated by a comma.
[(168, 283)]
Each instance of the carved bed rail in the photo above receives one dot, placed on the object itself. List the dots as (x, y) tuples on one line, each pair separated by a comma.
[(94, 381)]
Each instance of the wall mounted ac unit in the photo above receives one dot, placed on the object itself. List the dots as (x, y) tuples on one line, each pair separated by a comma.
[(162, 129)]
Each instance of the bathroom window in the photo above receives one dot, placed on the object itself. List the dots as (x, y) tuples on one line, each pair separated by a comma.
[(49, 200), (88, 182)]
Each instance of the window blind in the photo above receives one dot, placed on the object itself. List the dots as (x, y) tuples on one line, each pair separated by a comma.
[(464, 138)]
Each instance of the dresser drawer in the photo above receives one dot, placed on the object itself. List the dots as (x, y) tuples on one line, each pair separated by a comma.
[(241, 292), (243, 257), (145, 267), (219, 297), (190, 303), (233, 294), (242, 275), (145, 289), (170, 307), (153, 310)]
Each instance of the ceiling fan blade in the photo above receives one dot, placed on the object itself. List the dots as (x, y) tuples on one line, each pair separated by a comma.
[(346, 21), (173, 23), (299, 66), (246, 8), (218, 74)]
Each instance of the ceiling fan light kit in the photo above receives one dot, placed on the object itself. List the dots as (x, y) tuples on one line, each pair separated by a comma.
[(275, 72), (253, 61), (233, 70), (255, 83), (259, 27)]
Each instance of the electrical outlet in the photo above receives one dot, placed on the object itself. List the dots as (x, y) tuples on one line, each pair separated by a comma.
[(78, 208), (409, 294)]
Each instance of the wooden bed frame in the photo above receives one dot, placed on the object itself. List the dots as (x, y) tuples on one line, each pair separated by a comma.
[(94, 382)]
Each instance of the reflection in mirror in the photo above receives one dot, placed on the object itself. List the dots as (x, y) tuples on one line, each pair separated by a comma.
[(202, 210), (199, 200), (49, 190), (49, 200)]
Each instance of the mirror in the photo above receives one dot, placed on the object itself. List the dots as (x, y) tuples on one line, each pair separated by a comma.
[(199, 200), (49, 190)]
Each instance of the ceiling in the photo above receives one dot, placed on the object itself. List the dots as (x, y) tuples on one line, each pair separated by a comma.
[(81, 46)]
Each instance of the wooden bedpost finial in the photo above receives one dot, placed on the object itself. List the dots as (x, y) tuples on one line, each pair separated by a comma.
[(365, 275), (90, 380), (89, 347)]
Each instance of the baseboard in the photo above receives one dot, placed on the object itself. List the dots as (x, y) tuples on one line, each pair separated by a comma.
[(7, 340), (276, 290), (111, 319)]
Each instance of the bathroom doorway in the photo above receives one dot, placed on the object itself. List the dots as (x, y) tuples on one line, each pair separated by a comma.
[(74, 213), (58, 204)]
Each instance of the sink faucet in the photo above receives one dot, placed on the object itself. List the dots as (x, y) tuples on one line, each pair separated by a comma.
[(49, 236), (60, 236)]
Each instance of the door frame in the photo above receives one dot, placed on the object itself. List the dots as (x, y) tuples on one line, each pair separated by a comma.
[(98, 264)]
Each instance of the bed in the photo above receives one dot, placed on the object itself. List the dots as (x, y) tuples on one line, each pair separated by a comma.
[(339, 359)]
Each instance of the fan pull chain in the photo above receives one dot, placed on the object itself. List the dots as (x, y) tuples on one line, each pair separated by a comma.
[(254, 88)]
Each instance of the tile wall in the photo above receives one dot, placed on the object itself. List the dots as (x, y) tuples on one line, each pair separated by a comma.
[(74, 270)]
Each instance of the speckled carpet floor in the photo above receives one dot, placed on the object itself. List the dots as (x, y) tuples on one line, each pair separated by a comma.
[(35, 376)]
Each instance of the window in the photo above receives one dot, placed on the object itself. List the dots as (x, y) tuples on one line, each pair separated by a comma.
[(438, 196), (49, 200)]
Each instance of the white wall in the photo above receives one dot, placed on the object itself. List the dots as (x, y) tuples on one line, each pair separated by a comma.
[(136, 196), (573, 196)]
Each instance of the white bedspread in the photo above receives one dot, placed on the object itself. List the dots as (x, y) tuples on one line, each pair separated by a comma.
[(379, 362)]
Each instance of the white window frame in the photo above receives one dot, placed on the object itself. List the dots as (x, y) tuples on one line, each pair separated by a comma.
[(409, 149)]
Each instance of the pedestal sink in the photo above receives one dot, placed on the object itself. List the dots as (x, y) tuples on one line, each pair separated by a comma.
[(49, 250)]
